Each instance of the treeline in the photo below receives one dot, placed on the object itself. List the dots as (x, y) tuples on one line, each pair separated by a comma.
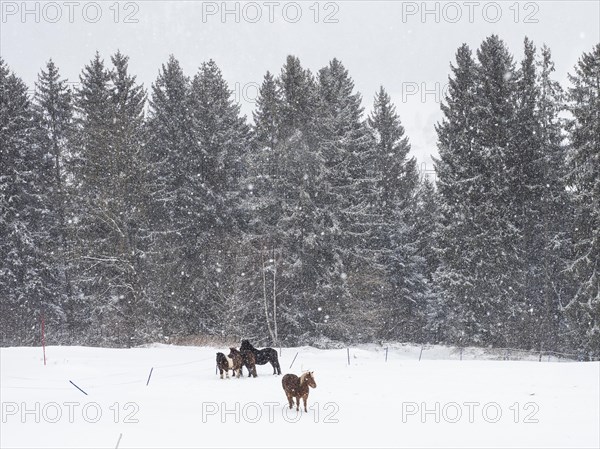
[(130, 216)]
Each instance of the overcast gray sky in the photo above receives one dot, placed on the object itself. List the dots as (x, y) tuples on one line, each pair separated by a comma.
[(405, 46)]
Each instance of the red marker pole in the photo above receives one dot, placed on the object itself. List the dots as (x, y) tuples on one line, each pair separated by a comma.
[(44, 340)]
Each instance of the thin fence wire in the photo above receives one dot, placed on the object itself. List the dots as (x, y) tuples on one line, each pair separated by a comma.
[(450, 353)]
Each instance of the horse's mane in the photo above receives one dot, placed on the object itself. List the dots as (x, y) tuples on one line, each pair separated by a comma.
[(303, 377), (248, 345)]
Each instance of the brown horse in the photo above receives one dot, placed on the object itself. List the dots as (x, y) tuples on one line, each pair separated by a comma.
[(248, 360), (224, 364), (297, 387), (236, 362)]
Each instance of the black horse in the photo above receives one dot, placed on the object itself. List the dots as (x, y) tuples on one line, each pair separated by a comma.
[(263, 356)]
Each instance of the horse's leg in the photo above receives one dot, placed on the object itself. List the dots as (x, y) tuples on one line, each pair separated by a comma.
[(290, 399), (305, 398), (297, 403), (278, 367)]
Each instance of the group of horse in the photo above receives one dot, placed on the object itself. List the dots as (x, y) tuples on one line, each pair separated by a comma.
[(248, 356)]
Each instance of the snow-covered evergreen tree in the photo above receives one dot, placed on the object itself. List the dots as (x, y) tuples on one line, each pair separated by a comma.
[(352, 272), (557, 207), (541, 207), (583, 306), (452, 315), (300, 187), (197, 140), (261, 205), (222, 136), (289, 223), (405, 290), (29, 281), (53, 107), (500, 259), (481, 273), (110, 215), (172, 151)]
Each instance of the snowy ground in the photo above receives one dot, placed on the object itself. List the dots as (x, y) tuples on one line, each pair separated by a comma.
[(439, 401)]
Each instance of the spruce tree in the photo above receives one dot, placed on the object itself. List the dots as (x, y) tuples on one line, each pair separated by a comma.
[(261, 203), (130, 210), (301, 188), (481, 271), (541, 205), (557, 208), (223, 139), (172, 151), (110, 218), (405, 289), (348, 252), (583, 306), (53, 105), (93, 311), (197, 141), (452, 317), (29, 284), (285, 233), (528, 186)]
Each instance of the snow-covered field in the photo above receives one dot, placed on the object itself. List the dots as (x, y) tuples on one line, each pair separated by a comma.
[(438, 401)]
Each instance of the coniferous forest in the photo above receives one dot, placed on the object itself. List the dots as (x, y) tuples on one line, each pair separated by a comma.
[(131, 215)]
